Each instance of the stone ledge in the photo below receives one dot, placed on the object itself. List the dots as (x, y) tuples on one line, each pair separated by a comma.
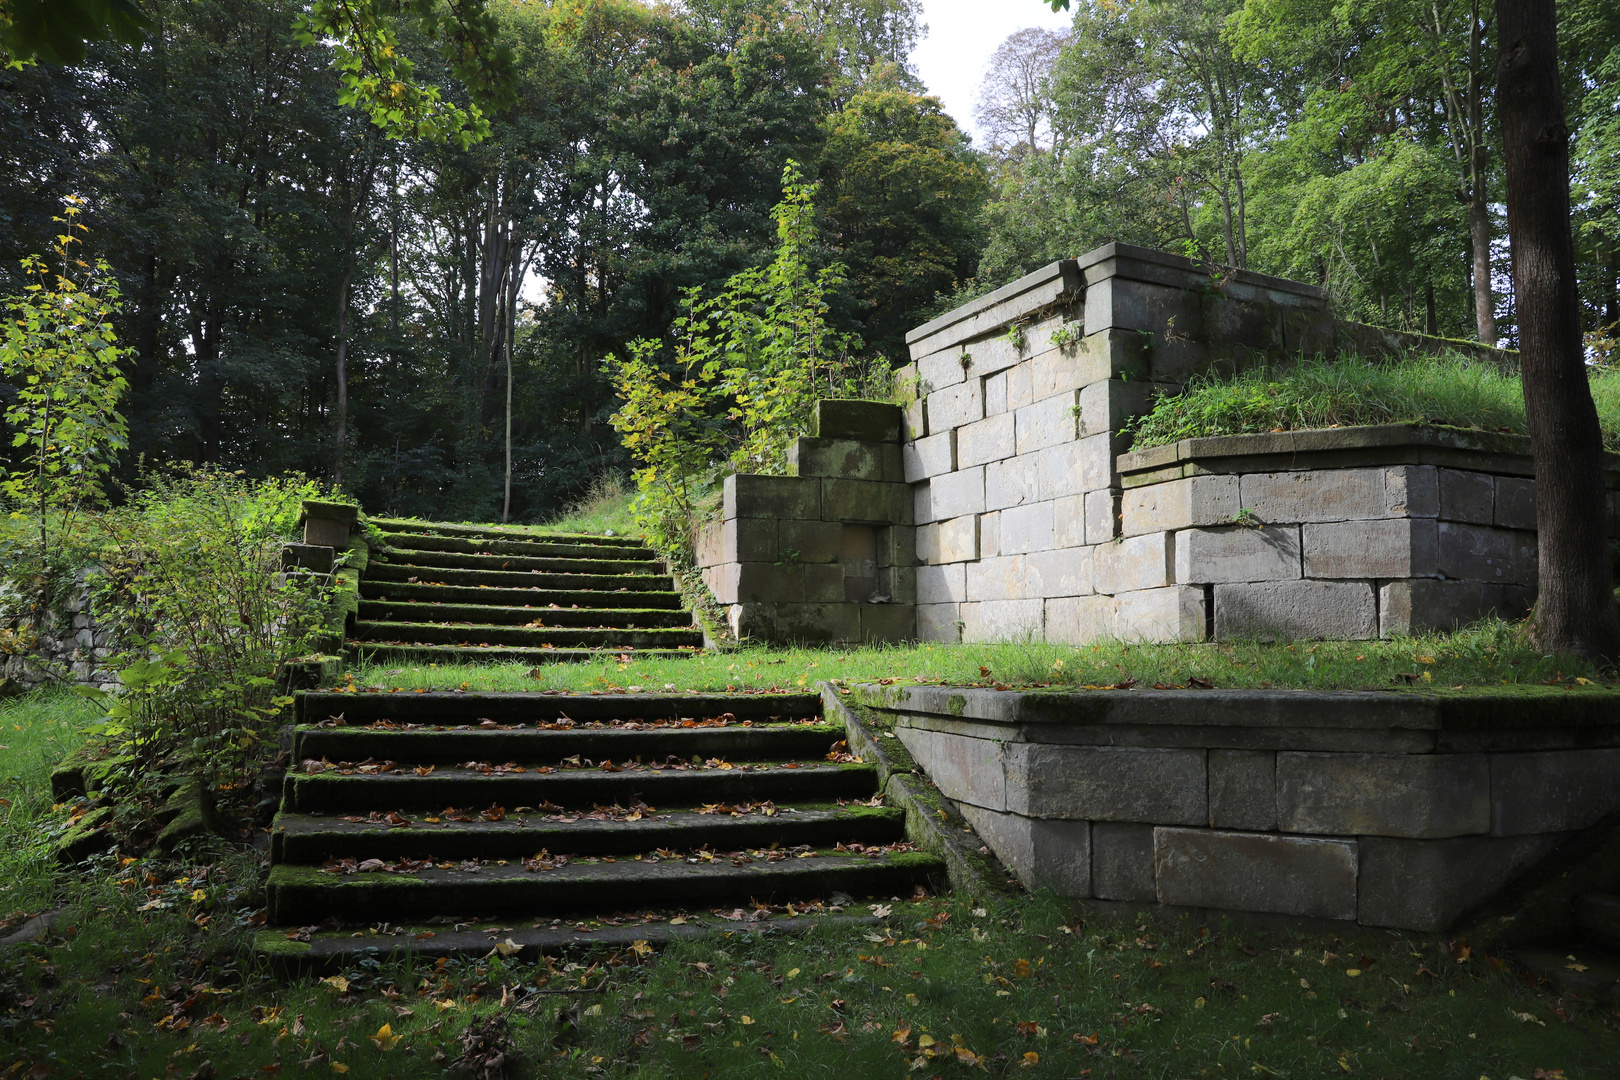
[(1054, 281)]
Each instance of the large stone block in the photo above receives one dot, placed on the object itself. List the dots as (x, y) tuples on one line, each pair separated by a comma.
[(1106, 406), (888, 622), (1107, 783), (1096, 459), (965, 769), (747, 583), (956, 494), (929, 457), (1069, 521), (983, 441), (862, 500), (939, 623), (711, 548), (1058, 572), (1020, 386), (1418, 796), (1026, 528), (830, 583), (1311, 610), (1056, 372), (995, 394), (1341, 494), (1063, 469), (1482, 553), (808, 541), (1243, 789), (945, 584), (1515, 506), (1243, 322), (1012, 482), (1243, 871), (1002, 620), (990, 535), (1048, 422), (1428, 884), (1052, 855), (940, 370), (1237, 553), (1001, 577), (1179, 504), (956, 540), (866, 421), (1102, 515), (1173, 613), (1412, 490), (1414, 607), (851, 459), (898, 583), (1136, 562), (1467, 496), (955, 405), (993, 354), (1122, 862), (823, 624), (897, 546), (1078, 620), (748, 496), (916, 419), (1553, 790), (1377, 548)]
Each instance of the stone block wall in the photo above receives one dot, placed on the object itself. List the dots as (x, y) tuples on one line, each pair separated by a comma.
[(1386, 810), (71, 645), (828, 553)]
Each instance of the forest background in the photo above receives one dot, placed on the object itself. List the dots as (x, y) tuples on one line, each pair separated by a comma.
[(302, 293)]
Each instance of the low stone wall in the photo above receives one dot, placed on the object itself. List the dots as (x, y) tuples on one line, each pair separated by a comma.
[(1387, 810), (70, 647)]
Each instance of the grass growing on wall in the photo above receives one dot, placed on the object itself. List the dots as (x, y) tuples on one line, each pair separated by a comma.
[(1351, 391)]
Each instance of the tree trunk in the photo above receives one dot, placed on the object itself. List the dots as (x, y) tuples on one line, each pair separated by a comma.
[(1575, 611), (1479, 209), (340, 426)]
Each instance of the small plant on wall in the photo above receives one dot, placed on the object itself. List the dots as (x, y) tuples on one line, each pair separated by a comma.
[(738, 382)]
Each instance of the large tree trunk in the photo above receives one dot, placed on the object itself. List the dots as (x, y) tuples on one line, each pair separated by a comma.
[(1575, 612), (1479, 211)]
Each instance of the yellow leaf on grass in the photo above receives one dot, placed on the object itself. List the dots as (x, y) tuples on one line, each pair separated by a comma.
[(1031, 1059), (339, 1067), (338, 983), (641, 948), (747, 1019), (445, 1004), (385, 1039), (1352, 972), (793, 974)]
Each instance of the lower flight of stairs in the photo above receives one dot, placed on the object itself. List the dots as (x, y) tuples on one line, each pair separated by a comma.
[(417, 816), (1588, 965), (454, 593)]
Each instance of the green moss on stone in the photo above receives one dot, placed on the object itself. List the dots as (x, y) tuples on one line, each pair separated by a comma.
[(275, 943), (957, 705)]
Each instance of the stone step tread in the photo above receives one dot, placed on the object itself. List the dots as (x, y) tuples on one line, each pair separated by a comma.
[(497, 533), (1588, 972), (782, 740), (521, 579), (583, 599), (421, 652), (513, 546), (457, 633), (445, 706), (311, 838), (496, 615), (301, 895), (459, 561)]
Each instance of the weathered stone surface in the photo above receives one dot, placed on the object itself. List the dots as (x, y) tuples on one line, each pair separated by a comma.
[(1020, 387), (1052, 855), (760, 581), (1012, 482), (852, 459), (1413, 607), (1059, 572), (898, 583), (993, 354), (1101, 783), (888, 622), (1482, 553), (1063, 469), (1467, 496), (327, 532), (1069, 521), (1552, 790), (955, 405), (829, 583), (1379, 548), (965, 769), (1296, 609), (1237, 553), (1341, 494), (1428, 884), (995, 394), (1515, 506), (1096, 458), (999, 577), (984, 441), (940, 370), (916, 419), (1179, 504), (1412, 490), (990, 535), (749, 496), (1136, 562), (817, 623), (929, 457), (1173, 613), (1102, 515), (941, 584), (1076, 620), (1105, 406), (1056, 372), (849, 418), (808, 541), (1242, 871), (897, 545), (1048, 423), (1025, 528), (955, 494), (861, 500), (956, 540), (938, 622), (1122, 862), (1420, 796), (1002, 620), (1243, 789)]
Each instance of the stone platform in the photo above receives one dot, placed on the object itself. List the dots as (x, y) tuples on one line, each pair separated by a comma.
[(1384, 809)]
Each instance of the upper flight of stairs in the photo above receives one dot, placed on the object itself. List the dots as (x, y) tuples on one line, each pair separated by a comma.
[(455, 593), (450, 807)]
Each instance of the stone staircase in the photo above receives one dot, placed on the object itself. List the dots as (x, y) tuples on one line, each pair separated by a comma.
[(425, 816), (457, 593), (1589, 963)]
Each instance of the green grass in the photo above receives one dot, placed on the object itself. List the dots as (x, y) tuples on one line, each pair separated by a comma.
[(1492, 653), (1349, 391), (606, 506), (36, 732)]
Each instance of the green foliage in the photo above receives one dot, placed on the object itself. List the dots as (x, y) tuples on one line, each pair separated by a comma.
[(55, 30), (607, 506), (1346, 391), (741, 381)]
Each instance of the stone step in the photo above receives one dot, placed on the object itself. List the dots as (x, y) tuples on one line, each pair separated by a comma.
[(527, 563), (593, 583), (301, 895), (781, 742), (538, 547), (450, 707), (1583, 971), (422, 633), (304, 838), (491, 614), (1597, 915), (510, 597), (474, 790), (493, 532), (390, 653)]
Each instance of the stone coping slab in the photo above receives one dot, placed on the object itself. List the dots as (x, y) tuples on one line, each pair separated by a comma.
[(1119, 259), (1061, 278)]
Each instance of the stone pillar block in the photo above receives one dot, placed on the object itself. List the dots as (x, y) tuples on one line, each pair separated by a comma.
[(929, 457), (955, 406), (1179, 504), (1107, 783), (1481, 553), (940, 370), (1515, 504), (1467, 496), (939, 622), (1048, 422), (1414, 607), (850, 459), (897, 546), (1173, 613), (863, 501), (1013, 482), (1103, 515), (943, 584), (1420, 796), (866, 421), (1058, 572), (749, 496), (1384, 548), (1026, 528), (1136, 562), (1064, 469), (808, 541), (1243, 871)]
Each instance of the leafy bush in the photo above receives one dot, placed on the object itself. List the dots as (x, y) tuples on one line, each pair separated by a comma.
[(1346, 391)]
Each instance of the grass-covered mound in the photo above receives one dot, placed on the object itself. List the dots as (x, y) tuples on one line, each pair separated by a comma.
[(1450, 390)]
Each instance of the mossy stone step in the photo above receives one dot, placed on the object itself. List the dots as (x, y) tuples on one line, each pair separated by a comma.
[(301, 895), (472, 789), (490, 614), (494, 532), (457, 707), (433, 633), (783, 742), (528, 563), (528, 579), (387, 653), (301, 838), (541, 548), (540, 599)]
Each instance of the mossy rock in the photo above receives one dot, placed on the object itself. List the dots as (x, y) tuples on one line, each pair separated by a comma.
[(91, 835), (87, 769), (191, 816)]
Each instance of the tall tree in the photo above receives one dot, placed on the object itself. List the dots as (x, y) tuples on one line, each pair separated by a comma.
[(1015, 98)]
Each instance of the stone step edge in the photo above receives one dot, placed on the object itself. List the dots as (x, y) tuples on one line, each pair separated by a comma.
[(494, 532), (381, 626), (430, 653), (766, 741), (481, 545), (515, 612), (526, 704)]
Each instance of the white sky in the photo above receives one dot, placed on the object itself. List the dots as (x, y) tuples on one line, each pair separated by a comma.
[(961, 36)]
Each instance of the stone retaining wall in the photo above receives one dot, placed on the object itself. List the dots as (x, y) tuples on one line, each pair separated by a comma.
[(71, 646), (1383, 809)]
